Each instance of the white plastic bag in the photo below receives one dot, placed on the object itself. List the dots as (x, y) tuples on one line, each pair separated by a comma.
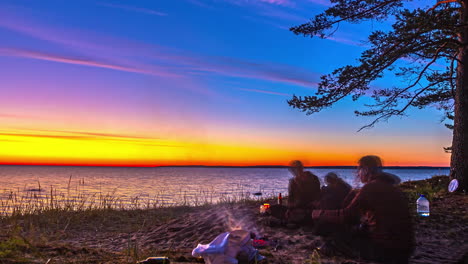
[(226, 247), (213, 253)]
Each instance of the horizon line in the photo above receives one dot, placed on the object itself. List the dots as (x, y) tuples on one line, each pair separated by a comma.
[(216, 166)]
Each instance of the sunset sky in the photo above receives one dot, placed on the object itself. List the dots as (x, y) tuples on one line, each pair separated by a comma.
[(180, 82)]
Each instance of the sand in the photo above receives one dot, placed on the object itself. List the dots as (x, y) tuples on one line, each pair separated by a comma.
[(441, 238)]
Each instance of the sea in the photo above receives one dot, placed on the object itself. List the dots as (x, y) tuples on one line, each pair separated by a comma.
[(131, 187)]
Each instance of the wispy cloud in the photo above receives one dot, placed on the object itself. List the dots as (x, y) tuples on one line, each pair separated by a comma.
[(321, 2), (264, 91), (258, 2), (31, 28), (83, 135), (278, 2), (43, 136), (282, 15), (106, 135), (134, 9), (225, 66), (272, 72), (200, 3), (135, 57), (78, 61), (347, 41), (93, 134), (174, 65)]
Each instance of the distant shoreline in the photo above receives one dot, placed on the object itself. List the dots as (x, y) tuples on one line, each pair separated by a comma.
[(307, 167), (234, 167)]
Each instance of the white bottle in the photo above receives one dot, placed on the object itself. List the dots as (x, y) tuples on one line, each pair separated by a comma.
[(422, 206)]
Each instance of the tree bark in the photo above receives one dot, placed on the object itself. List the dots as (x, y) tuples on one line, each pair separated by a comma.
[(459, 159)]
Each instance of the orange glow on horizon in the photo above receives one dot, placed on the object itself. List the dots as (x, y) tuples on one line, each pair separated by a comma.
[(75, 148)]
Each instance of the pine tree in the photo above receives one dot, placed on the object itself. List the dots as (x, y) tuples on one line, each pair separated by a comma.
[(426, 47)]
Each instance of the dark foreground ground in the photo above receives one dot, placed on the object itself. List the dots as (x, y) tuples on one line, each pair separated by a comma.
[(110, 236)]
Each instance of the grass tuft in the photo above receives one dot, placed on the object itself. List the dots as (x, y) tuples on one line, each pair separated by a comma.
[(433, 188)]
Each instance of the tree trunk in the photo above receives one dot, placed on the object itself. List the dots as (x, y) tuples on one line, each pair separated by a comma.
[(459, 159)]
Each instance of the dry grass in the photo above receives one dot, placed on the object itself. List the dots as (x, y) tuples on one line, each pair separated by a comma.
[(432, 188), (76, 199)]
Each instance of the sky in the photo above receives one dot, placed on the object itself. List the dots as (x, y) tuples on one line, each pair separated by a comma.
[(188, 82)]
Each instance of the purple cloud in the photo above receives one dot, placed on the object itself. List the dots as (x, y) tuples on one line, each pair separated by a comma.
[(79, 61), (234, 67), (130, 56)]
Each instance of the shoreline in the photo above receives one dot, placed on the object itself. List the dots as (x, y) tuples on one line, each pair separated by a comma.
[(113, 236)]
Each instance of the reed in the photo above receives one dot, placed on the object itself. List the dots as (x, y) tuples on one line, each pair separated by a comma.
[(76, 199)]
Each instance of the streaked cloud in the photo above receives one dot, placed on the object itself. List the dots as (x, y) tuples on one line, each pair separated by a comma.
[(200, 3), (283, 15), (185, 69), (94, 134), (347, 41), (269, 22), (23, 53), (106, 135), (83, 135), (165, 62), (277, 2), (269, 2), (211, 3), (235, 68), (264, 92), (272, 72), (43, 136), (30, 28), (134, 9), (321, 2)]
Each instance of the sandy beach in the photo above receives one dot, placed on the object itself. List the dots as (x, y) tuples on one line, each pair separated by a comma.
[(128, 236)]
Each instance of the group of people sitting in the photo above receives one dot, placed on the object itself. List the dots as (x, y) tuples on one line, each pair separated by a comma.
[(372, 222)]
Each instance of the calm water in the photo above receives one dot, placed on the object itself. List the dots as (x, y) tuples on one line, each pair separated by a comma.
[(160, 186)]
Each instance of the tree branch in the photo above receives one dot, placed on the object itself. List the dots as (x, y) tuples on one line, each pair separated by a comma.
[(393, 98), (394, 112), (441, 2)]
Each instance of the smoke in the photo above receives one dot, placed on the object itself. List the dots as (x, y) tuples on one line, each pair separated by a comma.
[(238, 219)]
